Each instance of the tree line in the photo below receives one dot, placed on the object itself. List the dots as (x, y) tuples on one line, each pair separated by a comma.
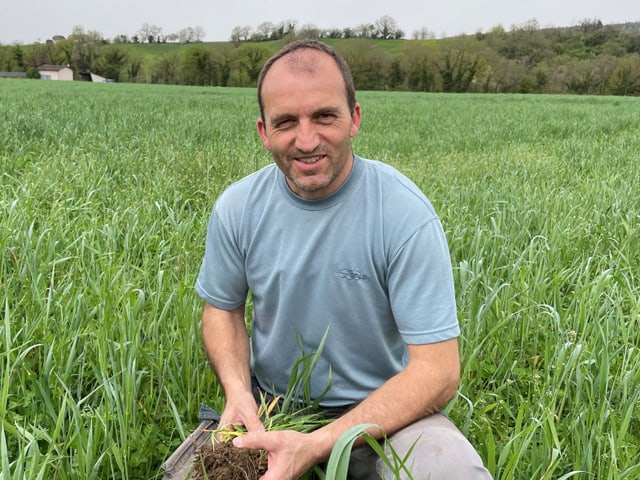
[(384, 28), (588, 58)]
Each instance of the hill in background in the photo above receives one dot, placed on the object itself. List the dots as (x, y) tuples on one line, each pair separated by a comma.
[(589, 58)]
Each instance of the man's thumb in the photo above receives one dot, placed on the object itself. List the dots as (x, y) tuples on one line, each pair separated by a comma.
[(248, 440), (238, 441)]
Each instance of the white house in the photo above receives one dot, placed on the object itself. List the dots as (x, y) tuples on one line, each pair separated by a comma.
[(55, 72)]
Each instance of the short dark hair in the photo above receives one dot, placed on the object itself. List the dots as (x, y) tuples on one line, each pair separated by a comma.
[(342, 64)]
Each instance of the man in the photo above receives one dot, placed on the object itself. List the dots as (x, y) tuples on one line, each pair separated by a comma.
[(330, 243)]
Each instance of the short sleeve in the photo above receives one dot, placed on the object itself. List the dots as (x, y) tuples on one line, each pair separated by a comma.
[(421, 288), (222, 280)]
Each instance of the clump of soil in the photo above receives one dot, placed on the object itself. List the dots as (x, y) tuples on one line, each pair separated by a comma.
[(227, 462)]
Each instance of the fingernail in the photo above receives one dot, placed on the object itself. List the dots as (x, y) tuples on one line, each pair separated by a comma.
[(237, 442)]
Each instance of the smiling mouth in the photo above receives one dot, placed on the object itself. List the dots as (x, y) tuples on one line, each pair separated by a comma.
[(310, 160)]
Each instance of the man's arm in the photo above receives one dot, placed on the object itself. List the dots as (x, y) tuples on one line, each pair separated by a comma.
[(428, 382), (226, 341)]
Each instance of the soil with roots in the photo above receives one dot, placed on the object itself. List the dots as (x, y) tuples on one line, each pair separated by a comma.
[(227, 462)]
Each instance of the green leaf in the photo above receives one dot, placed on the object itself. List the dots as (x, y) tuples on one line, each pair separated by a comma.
[(338, 464)]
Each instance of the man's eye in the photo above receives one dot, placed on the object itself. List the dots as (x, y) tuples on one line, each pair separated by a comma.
[(284, 123), (326, 117)]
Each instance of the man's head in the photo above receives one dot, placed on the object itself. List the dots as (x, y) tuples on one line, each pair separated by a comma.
[(299, 45), (308, 117)]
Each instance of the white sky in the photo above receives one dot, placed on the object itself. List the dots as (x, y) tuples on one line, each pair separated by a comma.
[(27, 21)]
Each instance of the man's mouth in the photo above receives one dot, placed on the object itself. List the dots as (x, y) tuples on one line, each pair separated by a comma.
[(310, 160)]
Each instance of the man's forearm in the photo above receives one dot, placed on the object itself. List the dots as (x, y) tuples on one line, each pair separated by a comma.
[(425, 386), (226, 341)]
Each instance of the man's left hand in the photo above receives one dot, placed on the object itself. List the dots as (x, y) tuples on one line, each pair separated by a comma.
[(289, 453)]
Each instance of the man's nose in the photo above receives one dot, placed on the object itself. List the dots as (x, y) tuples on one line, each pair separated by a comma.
[(306, 137)]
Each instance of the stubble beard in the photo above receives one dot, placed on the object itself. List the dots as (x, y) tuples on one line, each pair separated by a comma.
[(326, 177)]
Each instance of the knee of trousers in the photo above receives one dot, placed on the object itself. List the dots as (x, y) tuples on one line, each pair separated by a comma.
[(433, 448)]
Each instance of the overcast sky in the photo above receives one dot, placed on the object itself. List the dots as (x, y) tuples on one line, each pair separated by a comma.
[(27, 21)]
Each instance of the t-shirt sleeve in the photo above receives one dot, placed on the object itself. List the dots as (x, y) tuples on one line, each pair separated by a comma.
[(222, 280), (421, 287)]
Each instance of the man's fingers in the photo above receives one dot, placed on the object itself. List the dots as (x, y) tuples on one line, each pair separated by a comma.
[(253, 440), (254, 425)]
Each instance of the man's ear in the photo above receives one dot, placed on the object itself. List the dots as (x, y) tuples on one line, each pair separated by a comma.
[(262, 131), (356, 116)]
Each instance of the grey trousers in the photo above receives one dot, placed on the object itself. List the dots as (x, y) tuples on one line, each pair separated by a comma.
[(441, 452)]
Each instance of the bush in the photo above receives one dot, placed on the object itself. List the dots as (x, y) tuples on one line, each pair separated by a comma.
[(33, 73)]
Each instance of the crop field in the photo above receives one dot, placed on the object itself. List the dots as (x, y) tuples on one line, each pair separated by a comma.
[(105, 193)]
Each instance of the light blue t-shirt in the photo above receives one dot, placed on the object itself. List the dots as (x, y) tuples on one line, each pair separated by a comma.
[(370, 263)]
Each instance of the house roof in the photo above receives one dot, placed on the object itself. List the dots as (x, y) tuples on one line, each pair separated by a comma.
[(13, 74), (52, 68)]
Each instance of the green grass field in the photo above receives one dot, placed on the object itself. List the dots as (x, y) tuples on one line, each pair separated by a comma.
[(105, 192)]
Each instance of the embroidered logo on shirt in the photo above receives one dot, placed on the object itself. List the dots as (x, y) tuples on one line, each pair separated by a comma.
[(350, 274)]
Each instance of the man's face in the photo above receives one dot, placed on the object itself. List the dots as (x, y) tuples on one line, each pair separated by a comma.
[(307, 124)]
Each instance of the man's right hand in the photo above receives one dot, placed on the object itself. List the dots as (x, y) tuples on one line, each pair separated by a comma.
[(241, 410)]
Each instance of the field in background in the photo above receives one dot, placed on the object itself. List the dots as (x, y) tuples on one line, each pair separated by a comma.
[(105, 191)]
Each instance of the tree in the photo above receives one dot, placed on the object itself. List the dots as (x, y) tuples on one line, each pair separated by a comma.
[(633, 43), (588, 76), (80, 49), (41, 53), (369, 64), (309, 31), (199, 33), (134, 66), (18, 56), (5, 62), (197, 67), (250, 59), (510, 77), (366, 30), (286, 28), (385, 28), (418, 60), (589, 25), (33, 73), (111, 61), (150, 33), (83, 57), (191, 34), (525, 44), (457, 69), (422, 34), (240, 34), (63, 51), (264, 32), (347, 32), (90, 36), (187, 35), (12, 58), (224, 60), (396, 75), (334, 33), (625, 79), (166, 68)]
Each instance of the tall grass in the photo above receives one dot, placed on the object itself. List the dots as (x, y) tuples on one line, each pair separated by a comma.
[(105, 192)]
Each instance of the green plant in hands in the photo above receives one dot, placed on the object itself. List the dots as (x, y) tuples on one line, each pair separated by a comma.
[(295, 411), (273, 418)]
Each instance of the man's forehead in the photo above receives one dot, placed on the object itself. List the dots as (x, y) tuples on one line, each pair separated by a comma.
[(305, 60), (282, 79)]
